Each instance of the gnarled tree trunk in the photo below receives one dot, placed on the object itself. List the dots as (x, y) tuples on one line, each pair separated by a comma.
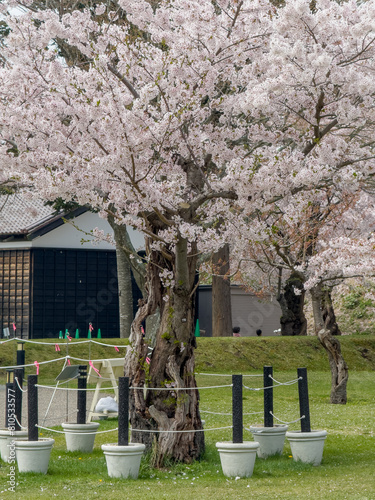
[(172, 363), (329, 316), (293, 320), (221, 298), (339, 368)]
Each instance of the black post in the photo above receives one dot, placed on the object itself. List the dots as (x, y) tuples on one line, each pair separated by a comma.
[(18, 374), (9, 397), (32, 407), (81, 394), (237, 409), (303, 392), (123, 411), (268, 396), (21, 356)]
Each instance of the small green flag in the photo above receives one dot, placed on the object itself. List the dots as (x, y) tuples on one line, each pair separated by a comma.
[(77, 333), (99, 334), (66, 333), (60, 335), (197, 331), (89, 334)]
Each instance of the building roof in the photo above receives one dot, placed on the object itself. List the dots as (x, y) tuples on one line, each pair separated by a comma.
[(21, 216)]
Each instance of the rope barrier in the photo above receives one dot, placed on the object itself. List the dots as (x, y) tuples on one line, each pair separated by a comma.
[(32, 364), (278, 384), (230, 414), (21, 426), (290, 382), (74, 388), (53, 361), (181, 432), (259, 388), (178, 388), (19, 387), (73, 341), (73, 432), (287, 423), (215, 413), (223, 375)]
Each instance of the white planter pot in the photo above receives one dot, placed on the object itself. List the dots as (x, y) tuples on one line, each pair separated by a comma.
[(33, 456), (237, 459), (270, 439), (307, 447), (80, 437), (123, 461), (6, 439)]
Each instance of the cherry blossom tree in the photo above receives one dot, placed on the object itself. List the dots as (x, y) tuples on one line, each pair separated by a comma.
[(185, 114)]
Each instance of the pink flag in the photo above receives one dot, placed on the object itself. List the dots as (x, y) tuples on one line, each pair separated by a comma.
[(57, 347), (148, 360), (117, 349), (91, 328), (14, 326), (69, 338), (93, 367), (37, 367), (68, 361)]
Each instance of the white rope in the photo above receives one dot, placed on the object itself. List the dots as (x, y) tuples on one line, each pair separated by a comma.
[(290, 382), (75, 389), (21, 426), (287, 423), (229, 414), (223, 375), (181, 432), (259, 388), (32, 364), (178, 388), (93, 375), (215, 413), (73, 341), (74, 432), (19, 387), (278, 384)]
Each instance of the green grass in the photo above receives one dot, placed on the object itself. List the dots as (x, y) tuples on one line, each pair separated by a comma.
[(221, 355), (346, 472)]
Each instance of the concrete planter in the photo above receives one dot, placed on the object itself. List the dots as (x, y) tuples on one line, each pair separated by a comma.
[(80, 437), (270, 439), (307, 447), (6, 439), (237, 459), (33, 456), (123, 461)]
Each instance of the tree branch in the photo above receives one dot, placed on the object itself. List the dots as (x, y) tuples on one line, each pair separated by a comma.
[(124, 80)]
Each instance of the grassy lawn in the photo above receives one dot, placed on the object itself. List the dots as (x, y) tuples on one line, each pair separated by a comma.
[(347, 470)]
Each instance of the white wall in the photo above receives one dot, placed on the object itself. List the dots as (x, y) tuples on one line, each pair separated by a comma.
[(68, 236)]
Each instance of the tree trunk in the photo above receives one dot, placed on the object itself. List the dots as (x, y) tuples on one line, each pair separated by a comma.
[(125, 291), (328, 312), (221, 298), (171, 365), (293, 320), (339, 368)]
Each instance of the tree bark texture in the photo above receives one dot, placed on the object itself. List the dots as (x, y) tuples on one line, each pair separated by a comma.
[(293, 320), (175, 406), (125, 291), (328, 312), (221, 297), (339, 368)]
